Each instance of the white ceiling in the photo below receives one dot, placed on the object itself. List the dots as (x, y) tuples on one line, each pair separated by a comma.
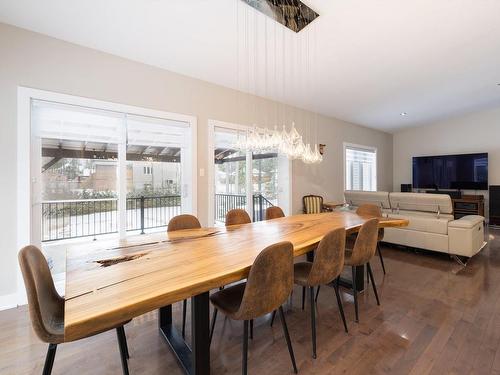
[(368, 60)]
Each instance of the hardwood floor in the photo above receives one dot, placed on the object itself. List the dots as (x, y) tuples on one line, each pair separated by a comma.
[(434, 319)]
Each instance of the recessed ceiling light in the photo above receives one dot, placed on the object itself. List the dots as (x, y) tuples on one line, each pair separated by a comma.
[(404, 114)]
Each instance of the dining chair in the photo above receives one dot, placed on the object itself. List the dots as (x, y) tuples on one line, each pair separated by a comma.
[(326, 268), (313, 204), (237, 216), (373, 210), (362, 252), (46, 308), (180, 222), (274, 212), (269, 283)]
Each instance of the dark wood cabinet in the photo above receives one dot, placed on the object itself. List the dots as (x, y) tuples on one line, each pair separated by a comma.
[(468, 205)]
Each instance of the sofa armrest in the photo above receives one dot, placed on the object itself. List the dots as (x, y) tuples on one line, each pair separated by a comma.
[(466, 235)]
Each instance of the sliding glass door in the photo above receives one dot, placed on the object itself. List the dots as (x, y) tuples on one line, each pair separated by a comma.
[(102, 174), (251, 181)]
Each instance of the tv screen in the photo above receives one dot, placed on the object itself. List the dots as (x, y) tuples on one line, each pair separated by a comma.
[(466, 171)]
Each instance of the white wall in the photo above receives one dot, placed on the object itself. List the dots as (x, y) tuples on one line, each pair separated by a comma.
[(475, 132), (33, 60)]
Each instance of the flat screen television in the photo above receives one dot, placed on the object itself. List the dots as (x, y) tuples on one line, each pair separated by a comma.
[(465, 171)]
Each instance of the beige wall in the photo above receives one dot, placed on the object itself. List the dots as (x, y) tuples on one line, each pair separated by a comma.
[(475, 132), (33, 60)]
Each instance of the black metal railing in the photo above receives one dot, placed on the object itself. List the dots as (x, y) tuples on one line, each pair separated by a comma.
[(92, 217), (260, 204), (152, 212), (78, 218), (226, 202)]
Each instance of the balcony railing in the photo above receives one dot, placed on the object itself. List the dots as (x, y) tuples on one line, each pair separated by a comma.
[(91, 217), (67, 219), (226, 202)]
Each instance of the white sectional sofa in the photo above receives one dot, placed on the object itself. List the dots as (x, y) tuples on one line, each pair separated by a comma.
[(432, 225)]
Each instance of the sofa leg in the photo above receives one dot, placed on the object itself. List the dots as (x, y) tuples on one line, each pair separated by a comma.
[(457, 259)]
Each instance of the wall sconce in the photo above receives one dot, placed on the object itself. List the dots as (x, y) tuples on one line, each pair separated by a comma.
[(321, 148)]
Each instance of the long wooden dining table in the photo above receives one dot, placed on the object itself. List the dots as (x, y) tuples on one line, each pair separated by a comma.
[(112, 285)]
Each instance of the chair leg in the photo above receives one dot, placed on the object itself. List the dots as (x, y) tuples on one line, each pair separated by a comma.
[(355, 293), (184, 311), (49, 359), (317, 293), (313, 321), (273, 317), (120, 333), (244, 365), (214, 318), (126, 344), (367, 276), (373, 282), (381, 257), (251, 329), (339, 303), (287, 338), (303, 297)]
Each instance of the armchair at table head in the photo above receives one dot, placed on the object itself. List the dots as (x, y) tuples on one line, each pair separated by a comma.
[(313, 204)]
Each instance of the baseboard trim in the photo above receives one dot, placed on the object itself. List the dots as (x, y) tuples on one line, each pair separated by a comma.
[(8, 301)]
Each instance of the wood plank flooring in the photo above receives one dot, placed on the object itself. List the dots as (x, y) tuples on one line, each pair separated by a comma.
[(434, 319)]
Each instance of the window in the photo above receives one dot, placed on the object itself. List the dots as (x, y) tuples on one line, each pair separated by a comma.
[(105, 171), (360, 168), (251, 181)]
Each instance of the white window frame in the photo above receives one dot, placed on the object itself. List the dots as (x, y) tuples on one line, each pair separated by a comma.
[(373, 149), (212, 124), (24, 184)]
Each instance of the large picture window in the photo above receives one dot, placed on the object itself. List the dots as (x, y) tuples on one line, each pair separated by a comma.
[(105, 170), (360, 168)]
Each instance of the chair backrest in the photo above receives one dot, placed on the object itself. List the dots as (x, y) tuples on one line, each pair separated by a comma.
[(237, 216), (45, 304), (183, 222), (313, 204), (269, 282), (274, 212), (366, 243), (369, 210), (328, 258), (372, 210)]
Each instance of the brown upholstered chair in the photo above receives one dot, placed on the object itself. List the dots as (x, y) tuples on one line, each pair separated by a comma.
[(184, 221), (361, 254), (268, 286), (313, 204), (180, 222), (274, 212), (46, 307), (372, 210), (237, 216), (326, 268)]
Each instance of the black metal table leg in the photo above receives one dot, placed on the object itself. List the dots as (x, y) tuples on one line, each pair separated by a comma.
[(200, 316), (360, 280), (197, 360)]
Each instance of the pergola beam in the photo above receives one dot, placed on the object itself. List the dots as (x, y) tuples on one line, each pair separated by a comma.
[(103, 155)]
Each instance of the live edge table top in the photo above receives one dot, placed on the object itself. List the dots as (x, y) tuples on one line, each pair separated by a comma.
[(110, 286)]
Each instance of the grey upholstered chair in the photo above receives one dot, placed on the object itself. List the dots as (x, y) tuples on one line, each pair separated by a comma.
[(326, 268), (237, 216), (268, 286), (274, 212), (361, 254), (180, 222), (46, 307)]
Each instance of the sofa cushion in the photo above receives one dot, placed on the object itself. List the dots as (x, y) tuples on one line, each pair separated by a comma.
[(357, 198), (421, 202), (425, 222)]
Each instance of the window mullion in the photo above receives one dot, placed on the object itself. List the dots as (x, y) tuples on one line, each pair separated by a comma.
[(122, 180)]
